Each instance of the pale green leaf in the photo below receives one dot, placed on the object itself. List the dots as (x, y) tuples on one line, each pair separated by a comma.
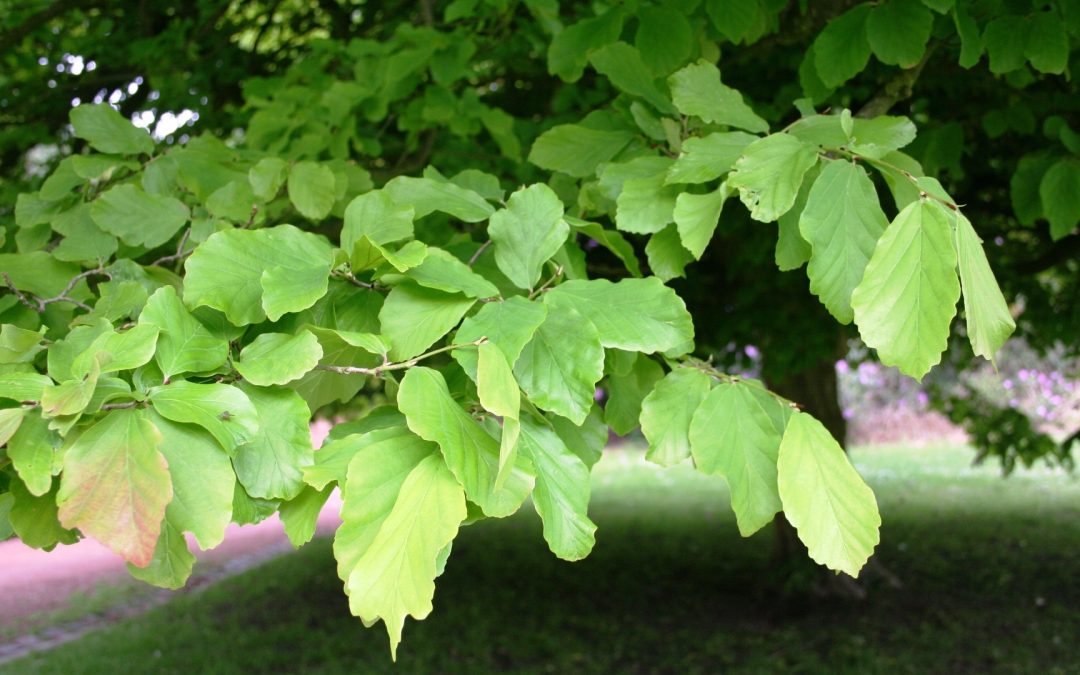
[(413, 317), (586, 440), (732, 435), (184, 344), (70, 397), (114, 351), (792, 251), (769, 174), (697, 216), (577, 150), (626, 393), (31, 451), (23, 386), (442, 271), (666, 254), (640, 315), (115, 485), (697, 90), (378, 217), (842, 222), (233, 201), (311, 189), (666, 413), (300, 516), (709, 157), (562, 491), (171, 563), (833, 510), (989, 323), (495, 383), (332, 459), (107, 130), (271, 464), (645, 205), (18, 345), (426, 195), (10, 420), (137, 217), (202, 480), (470, 451), (508, 324), (254, 274), (559, 367), (222, 409), (527, 233), (907, 298), (279, 358), (267, 177)]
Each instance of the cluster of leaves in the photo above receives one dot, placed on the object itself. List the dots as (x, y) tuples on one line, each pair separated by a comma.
[(174, 317)]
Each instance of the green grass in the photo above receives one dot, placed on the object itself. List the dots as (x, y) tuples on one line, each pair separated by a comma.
[(989, 569)]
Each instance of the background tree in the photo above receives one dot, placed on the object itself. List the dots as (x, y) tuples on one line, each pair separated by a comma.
[(185, 307)]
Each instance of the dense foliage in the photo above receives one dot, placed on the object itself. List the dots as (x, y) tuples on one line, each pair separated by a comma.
[(438, 219)]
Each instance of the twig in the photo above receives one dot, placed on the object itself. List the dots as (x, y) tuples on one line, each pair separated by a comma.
[(351, 278), (728, 378), (180, 253), (547, 284), (479, 252), (120, 406), (38, 304), (19, 294), (386, 365)]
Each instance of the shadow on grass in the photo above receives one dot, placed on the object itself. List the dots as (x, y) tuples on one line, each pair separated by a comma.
[(670, 588)]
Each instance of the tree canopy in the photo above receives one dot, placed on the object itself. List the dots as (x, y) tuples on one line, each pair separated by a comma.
[(496, 230)]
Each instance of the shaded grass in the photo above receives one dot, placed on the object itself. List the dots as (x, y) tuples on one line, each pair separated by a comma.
[(988, 566)]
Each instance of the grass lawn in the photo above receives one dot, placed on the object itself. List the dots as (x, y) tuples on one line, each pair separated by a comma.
[(989, 568)]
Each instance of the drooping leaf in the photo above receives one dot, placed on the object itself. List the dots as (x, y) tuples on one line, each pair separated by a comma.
[(645, 205), (663, 38), (527, 233), (898, 31), (300, 515), (697, 90), (586, 440), (171, 563), (115, 485), (1060, 194), (10, 421), (442, 271), (426, 195), (278, 358), (640, 315), (733, 436), (569, 50), (842, 222), (577, 150), (989, 323), (562, 491), (202, 479), (137, 217), (332, 459), (508, 325), (833, 510), (709, 157), (626, 393), (666, 413), (495, 383), (106, 130), (222, 409), (666, 254), (251, 275), (378, 217), (842, 50), (697, 216), (267, 177), (31, 452), (470, 451), (35, 520), (624, 66), (1047, 44), (414, 317), (184, 344), (311, 189), (907, 298), (769, 173), (270, 465)]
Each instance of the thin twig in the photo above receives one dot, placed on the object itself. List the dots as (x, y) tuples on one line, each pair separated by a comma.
[(479, 252), (180, 253), (387, 366), (120, 406), (351, 278), (38, 304), (19, 294), (547, 284)]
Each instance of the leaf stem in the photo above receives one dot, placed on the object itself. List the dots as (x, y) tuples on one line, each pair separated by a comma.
[(547, 284), (388, 366)]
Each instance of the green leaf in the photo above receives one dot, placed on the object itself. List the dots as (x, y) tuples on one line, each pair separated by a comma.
[(414, 317), (842, 222), (107, 130), (792, 251), (626, 393), (114, 351), (10, 421), (971, 42), (641, 315), (697, 90), (18, 345), (32, 454), (401, 508), (137, 217), (562, 491), (577, 150), (1047, 44), (666, 254), (645, 205), (426, 195), (470, 451), (989, 323), (559, 367), (907, 298), (311, 189), (271, 464), (527, 233), (664, 38), (1059, 191), (202, 479), (251, 275), (301, 515), (769, 174), (378, 217), (267, 177), (707, 158), (666, 413), (586, 440), (171, 563), (1005, 42), (248, 510), (495, 383), (898, 31), (842, 50), (732, 435), (83, 239), (609, 239), (623, 65), (233, 201), (569, 50), (23, 386), (735, 19), (697, 216), (115, 485), (833, 510), (332, 459), (184, 345), (223, 410), (72, 396), (508, 324), (442, 271), (279, 358), (34, 519)]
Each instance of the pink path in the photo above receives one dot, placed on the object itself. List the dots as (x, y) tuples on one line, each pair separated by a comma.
[(33, 581)]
